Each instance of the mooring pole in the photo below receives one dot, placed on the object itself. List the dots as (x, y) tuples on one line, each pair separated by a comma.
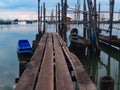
[(44, 14), (111, 18), (64, 15), (95, 26), (85, 19), (59, 18), (56, 19), (39, 29), (65, 19), (41, 19)]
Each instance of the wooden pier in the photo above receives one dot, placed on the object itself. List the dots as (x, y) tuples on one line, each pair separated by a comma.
[(54, 67)]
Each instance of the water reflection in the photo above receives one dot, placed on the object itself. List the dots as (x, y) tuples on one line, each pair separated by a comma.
[(105, 64), (9, 36)]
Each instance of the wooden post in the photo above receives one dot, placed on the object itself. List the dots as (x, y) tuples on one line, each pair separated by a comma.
[(95, 26), (41, 19), (99, 21), (64, 22), (56, 19), (44, 14), (39, 29), (59, 18), (85, 20), (106, 83), (90, 18), (111, 18)]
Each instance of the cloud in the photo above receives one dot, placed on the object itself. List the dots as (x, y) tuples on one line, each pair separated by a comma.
[(28, 8), (7, 14)]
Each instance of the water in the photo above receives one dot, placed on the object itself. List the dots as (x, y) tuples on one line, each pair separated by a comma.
[(9, 36), (107, 63)]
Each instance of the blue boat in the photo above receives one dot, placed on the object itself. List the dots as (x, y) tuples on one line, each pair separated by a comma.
[(24, 47)]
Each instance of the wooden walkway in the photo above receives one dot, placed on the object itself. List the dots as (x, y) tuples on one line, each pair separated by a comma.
[(54, 67)]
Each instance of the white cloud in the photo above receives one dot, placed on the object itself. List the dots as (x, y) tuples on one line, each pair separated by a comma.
[(18, 14)]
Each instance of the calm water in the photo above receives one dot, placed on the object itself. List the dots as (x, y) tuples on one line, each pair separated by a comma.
[(108, 63), (105, 64), (9, 36)]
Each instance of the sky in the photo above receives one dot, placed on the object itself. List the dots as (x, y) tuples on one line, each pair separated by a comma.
[(27, 9)]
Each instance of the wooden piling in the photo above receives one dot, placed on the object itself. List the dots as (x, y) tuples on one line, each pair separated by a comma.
[(44, 14), (59, 18), (106, 83)]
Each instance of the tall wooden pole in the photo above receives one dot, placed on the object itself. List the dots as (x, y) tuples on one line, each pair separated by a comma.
[(98, 21), (95, 26), (39, 16), (85, 19), (92, 24), (41, 19), (62, 19), (64, 15), (111, 17), (56, 19), (59, 18), (44, 14), (65, 19), (99, 18)]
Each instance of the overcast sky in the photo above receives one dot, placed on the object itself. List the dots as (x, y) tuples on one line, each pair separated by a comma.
[(27, 9)]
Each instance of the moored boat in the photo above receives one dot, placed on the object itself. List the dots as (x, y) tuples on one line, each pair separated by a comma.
[(77, 40), (24, 47)]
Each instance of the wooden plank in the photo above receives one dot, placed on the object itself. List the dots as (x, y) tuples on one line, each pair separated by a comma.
[(83, 80), (28, 78), (46, 76), (63, 79)]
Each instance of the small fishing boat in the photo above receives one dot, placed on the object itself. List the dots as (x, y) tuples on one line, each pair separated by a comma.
[(77, 40), (24, 47)]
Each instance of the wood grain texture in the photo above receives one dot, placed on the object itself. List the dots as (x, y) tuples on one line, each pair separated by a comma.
[(83, 80), (46, 76), (63, 78), (28, 78)]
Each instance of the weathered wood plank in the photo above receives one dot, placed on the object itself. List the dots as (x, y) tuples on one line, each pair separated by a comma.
[(28, 78), (83, 80), (46, 76), (63, 79)]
